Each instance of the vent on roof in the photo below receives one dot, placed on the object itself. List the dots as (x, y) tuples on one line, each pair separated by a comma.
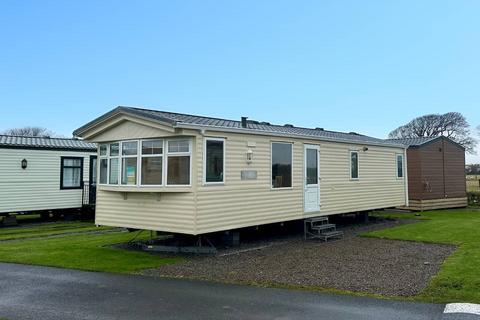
[(244, 122), (319, 129), (265, 123), (352, 132), (288, 125)]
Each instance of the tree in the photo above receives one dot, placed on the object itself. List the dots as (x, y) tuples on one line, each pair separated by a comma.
[(452, 125), (30, 132)]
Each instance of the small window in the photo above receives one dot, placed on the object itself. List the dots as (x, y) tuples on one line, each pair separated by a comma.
[(152, 147), (178, 162), (281, 165), (214, 160), (103, 150), (399, 166), (353, 165), (71, 174), (129, 148), (114, 149)]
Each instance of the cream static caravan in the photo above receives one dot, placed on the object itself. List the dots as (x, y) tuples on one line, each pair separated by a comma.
[(193, 175), (39, 174)]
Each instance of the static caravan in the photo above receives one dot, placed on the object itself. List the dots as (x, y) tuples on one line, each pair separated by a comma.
[(436, 173), (193, 175), (45, 174)]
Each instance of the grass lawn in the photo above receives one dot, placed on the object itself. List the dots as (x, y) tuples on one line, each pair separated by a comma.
[(46, 229), (459, 277), (90, 252)]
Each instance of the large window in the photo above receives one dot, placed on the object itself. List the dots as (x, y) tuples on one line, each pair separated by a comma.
[(178, 162), (71, 173), (353, 165), (281, 165), (214, 160), (399, 166), (144, 162)]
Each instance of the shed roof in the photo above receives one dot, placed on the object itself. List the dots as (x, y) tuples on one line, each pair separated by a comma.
[(20, 142), (181, 120), (420, 141)]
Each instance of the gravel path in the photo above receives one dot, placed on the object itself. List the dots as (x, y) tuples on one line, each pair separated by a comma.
[(387, 267)]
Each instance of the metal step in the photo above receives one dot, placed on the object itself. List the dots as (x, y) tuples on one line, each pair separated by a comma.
[(324, 226), (332, 234)]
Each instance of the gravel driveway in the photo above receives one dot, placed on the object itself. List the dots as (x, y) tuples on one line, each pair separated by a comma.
[(387, 267)]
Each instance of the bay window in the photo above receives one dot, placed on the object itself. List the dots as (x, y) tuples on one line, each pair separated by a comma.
[(143, 163)]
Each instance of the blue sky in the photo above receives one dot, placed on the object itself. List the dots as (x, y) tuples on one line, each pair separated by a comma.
[(365, 66)]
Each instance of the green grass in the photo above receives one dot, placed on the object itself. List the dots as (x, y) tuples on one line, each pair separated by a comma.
[(90, 252), (47, 229), (459, 277)]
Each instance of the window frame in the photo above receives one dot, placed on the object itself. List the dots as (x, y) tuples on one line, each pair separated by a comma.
[(358, 165), (81, 167), (99, 165), (178, 154), (119, 165), (396, 165), (205, 140), (121, 156), (271, 165), (141, 156)]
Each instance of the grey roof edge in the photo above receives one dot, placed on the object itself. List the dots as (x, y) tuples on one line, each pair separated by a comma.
[(68, 145), (291, 135), (427, 141), (118, 110), (141, 112)]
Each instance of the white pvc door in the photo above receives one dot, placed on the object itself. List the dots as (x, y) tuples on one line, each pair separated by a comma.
[(312, 178)]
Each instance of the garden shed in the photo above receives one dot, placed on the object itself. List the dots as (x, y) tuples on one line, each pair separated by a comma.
[(436, 173)]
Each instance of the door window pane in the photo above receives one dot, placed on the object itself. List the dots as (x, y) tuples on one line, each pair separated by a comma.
[(152, 147), (152, 170), (312, 166), (281, 165), (103, 171), (178, 170), (129, 171), (214, 161), (113, 171), (93, 170), (129, 148), (354, 165)]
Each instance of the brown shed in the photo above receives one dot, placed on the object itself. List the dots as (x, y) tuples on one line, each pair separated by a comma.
[(436, 173)]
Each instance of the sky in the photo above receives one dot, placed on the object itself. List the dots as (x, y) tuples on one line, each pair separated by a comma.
[(364, 66)]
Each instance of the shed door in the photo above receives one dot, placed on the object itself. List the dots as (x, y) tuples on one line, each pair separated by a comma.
[(312, 178)]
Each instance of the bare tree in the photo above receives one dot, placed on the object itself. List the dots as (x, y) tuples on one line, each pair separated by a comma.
[(30, 132), (452, 125)]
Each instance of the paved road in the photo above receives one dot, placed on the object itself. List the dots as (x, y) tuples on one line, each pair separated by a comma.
[(31, 292)]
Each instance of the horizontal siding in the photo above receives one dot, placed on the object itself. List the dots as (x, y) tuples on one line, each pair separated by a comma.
[(252, 202), (38, 186), (172, 212)]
